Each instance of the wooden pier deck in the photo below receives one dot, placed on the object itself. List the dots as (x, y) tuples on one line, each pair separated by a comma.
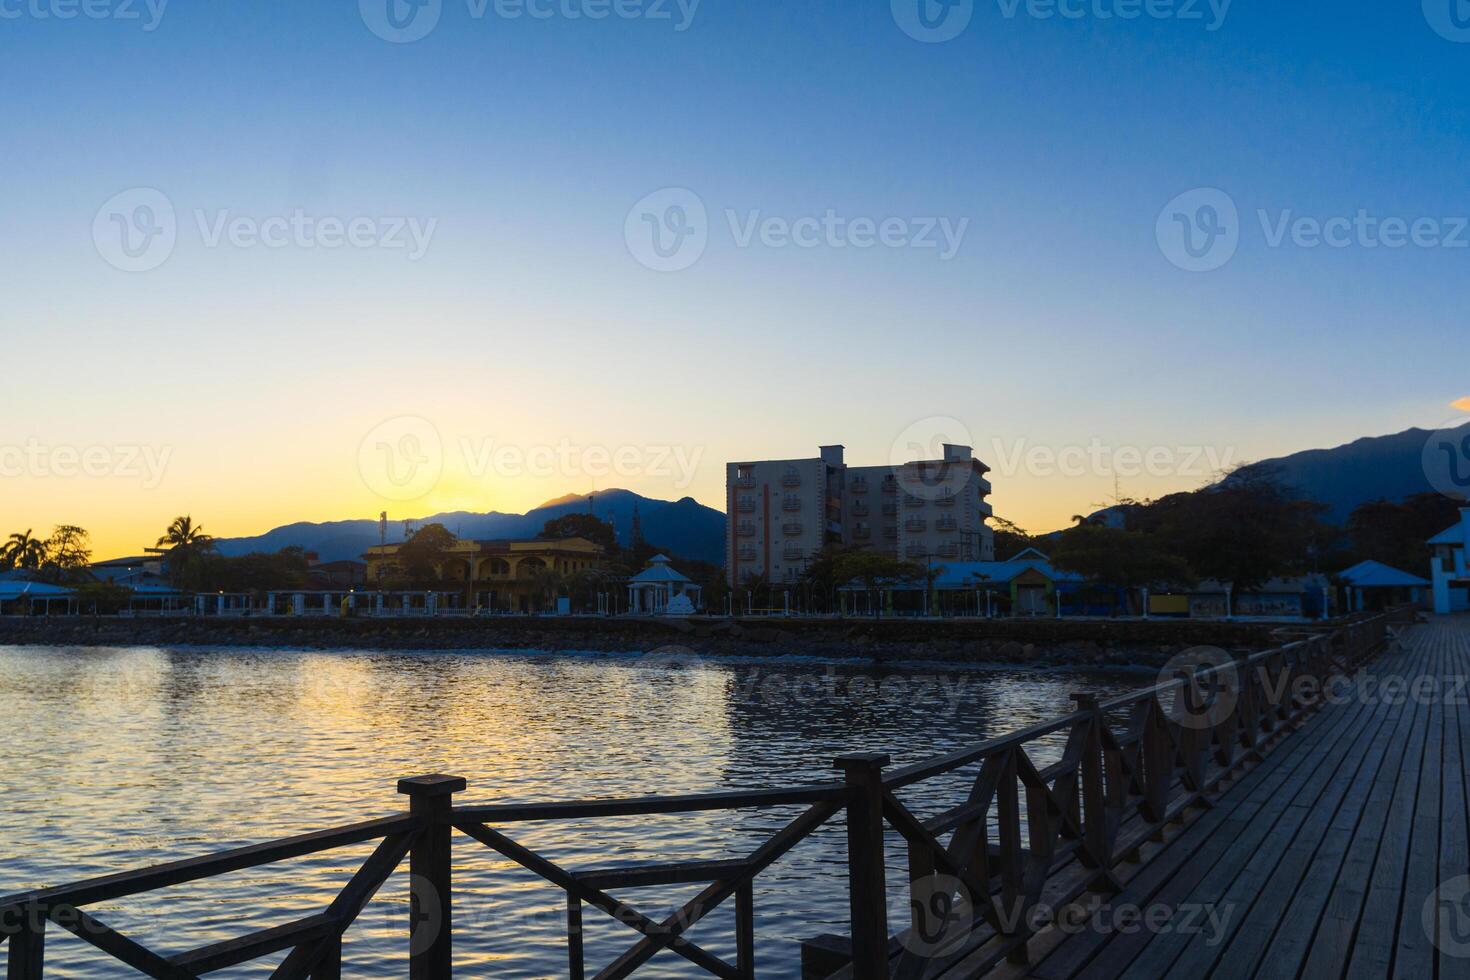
[(1342, 854)]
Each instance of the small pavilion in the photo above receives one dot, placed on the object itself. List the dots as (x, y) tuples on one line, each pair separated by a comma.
[(661, 589)]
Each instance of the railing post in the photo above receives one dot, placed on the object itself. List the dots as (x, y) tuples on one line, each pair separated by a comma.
[(431, 932), (866, 866), (27, 947), (1094, 789)]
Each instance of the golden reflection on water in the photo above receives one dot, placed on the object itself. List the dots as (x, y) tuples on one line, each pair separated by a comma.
[(138, 756)]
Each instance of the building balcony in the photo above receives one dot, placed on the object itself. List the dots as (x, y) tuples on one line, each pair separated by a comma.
[(912, 501), (946, 524), (891, 533), (915, 551), (792, 528), (746, 554), (745, 506), (746, 530), (890, 509), (791, 480), (945, 499), (890, 485), (915, 524), (950, 550), (791, 504), (745, 482), (793, 552), (859, 485), (861, 510)]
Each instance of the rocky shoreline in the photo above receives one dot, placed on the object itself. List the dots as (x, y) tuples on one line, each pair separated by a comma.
[(1098, 643)]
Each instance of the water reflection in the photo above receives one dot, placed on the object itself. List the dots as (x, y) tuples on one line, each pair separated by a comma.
[(136, 756)]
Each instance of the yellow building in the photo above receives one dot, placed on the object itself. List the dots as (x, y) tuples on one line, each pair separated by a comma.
[(503, 576)]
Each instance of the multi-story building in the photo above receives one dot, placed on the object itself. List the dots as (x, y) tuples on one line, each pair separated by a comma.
[(782, 512), (1451, 574), (502, 576)]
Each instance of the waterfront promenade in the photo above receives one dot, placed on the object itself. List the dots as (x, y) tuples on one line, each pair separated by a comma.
[(1344, 854)]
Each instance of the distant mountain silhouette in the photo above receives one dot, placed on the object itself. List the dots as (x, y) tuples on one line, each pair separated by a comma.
[(1378, 468), (685, 527)]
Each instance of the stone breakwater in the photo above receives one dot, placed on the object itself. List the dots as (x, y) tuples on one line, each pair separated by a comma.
[(1100, 643)]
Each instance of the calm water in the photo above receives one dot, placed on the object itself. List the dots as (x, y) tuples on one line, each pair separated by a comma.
[(121, 758)]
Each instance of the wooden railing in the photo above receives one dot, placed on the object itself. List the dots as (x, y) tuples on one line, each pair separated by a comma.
[(1026, 833)]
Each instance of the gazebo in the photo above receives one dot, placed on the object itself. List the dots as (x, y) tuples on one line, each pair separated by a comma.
[(1372, 585), (661, 589)]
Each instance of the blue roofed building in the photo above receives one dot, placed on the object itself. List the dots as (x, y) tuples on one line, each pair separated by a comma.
[(1451, 576)]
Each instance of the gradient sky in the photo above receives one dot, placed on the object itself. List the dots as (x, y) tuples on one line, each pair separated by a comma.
[(529, 323)]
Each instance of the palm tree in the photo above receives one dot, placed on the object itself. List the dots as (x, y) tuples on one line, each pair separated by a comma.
[(185, 543), (184, 533), (23, 551)]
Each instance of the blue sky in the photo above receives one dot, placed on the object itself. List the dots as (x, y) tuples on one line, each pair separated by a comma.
[(528, 320)]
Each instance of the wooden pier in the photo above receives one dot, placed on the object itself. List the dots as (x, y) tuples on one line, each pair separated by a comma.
[(1300, 812)]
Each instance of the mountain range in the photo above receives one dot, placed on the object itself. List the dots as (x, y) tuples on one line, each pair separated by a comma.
[(685, 527), (1378, 468)]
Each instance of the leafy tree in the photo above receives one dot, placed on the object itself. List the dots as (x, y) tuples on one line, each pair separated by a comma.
[(419, 557), (1010, 538), (1395, 533), (1124, 559), (23, 550), (873, 569), (68, 552), (1245, 531), (580, 526)]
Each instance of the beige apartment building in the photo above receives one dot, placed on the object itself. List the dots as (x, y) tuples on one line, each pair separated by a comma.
[(782, 512)]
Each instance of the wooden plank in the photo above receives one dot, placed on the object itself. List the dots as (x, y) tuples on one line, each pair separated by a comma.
[(1454, 843), (1233, 812), (1259, 896), (1414, 952), (1371, 954), (1274, 945), (1236, 878)]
